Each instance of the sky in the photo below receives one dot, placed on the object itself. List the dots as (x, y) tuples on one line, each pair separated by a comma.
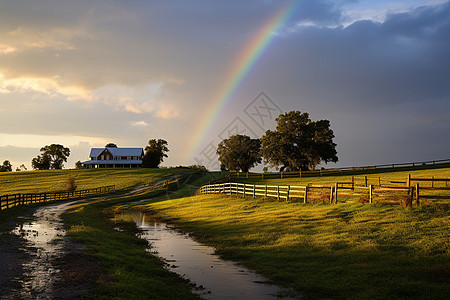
[(86, 73)]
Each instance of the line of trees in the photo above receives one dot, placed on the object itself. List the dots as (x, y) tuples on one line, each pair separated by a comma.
[(53, 156), (297, 143), (7, 167)]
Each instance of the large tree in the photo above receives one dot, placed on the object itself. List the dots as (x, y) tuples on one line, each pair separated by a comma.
[(154, 153), (52, 157), (298, 143), (239, 152), (110, 145), (6, 166)]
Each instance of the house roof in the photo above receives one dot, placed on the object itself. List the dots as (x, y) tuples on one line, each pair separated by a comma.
[(118, 151)]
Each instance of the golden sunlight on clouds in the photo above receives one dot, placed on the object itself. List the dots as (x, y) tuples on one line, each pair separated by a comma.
[(6, 49), (25, 38), (37, 141), (49, 86), (167, 111), (139, 124)]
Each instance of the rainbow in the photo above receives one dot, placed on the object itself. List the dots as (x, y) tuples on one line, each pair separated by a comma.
[(247, 58)]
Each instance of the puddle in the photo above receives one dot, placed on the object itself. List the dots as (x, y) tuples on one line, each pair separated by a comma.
[(43, 235), (214, 277)]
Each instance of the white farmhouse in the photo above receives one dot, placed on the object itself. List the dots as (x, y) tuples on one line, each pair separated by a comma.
[(114, 158)]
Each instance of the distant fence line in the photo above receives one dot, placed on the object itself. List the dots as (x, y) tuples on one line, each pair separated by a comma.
[(340, 171), (368, 193), (8, 201)]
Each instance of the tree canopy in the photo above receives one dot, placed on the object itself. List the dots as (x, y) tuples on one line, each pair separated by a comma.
[(110, 145), (52, 157), (239, 152), (155, 153), (6, 166), (298, 143)]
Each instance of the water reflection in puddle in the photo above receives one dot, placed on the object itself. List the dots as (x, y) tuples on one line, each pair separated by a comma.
[(42, 235), (221, 279)]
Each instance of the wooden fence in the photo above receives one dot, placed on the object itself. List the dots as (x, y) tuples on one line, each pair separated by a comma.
[(344, 171), (8, 201), (345, 191)]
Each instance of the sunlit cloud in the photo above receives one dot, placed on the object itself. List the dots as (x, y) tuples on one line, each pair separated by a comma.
[(24, 38), (50, 86), (167, 111), (37, 141), (139, 124)]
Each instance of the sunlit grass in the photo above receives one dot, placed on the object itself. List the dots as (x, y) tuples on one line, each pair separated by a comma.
[(134, 272), (384, 178), (339, 251), (55, 180)]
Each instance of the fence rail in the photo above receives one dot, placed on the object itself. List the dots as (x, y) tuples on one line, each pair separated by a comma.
[(342, 171), (404, 195), (8, 201)]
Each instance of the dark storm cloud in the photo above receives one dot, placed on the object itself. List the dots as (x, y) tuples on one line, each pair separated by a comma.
[(367, 77), (368, 64)]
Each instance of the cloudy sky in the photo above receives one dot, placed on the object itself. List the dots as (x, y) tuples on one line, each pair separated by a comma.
[(85, 73)]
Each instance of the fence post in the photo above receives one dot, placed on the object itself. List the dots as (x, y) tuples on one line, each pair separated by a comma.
[(281, 175), (370, 194), (417, 194), (247, 175), (331, 194), (432, 177), (253, 191), (353, 182), (278, 192), (365, 180), (336, 193), (408, 180), (288, 190), (265, 192), (245, 188), (305, 200), (300, 173), (411, 196)]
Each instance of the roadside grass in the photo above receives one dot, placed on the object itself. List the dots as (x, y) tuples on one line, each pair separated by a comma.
[(343, 251), (55, 180), (134, 273)]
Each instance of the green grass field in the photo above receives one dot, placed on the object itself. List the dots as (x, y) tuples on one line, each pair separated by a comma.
[(385, 179), (372, 178), (343, 251), (55, 180), (134, 272)]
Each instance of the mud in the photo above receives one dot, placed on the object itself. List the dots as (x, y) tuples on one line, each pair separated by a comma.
[(39, 262)]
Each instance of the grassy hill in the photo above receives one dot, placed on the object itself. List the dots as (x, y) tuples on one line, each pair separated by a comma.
[(372, 177), (54, 180), (343, 251)]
